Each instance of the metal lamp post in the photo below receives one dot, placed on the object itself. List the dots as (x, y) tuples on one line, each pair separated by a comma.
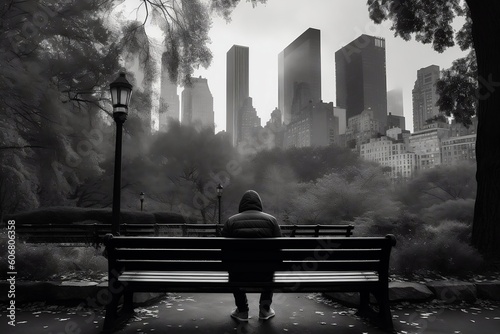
[(219, 189), (121, 90), (141, 196)]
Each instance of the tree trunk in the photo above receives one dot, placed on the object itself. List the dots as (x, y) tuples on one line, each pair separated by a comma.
[(486, 37)]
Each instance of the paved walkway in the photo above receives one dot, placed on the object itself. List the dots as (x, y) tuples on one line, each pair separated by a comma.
[(295, 313)]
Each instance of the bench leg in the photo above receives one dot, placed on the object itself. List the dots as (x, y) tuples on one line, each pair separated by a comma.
[(128, 302), (364, 304), (385, 310), (111, 313)]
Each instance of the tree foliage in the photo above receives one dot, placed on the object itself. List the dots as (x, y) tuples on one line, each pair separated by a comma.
[(182, 167), (56, 61), (430, 22)]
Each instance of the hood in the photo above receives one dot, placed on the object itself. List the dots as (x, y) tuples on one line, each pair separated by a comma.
[(250, 201)]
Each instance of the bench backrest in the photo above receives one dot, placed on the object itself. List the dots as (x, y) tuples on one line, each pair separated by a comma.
[(56, 233), (250, 255), (317, 230), (87, 234)]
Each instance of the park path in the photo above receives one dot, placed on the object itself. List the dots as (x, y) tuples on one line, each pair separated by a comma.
[(295, 313)]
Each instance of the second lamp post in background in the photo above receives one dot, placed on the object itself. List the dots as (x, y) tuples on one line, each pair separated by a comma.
[(141, 197), (219, 188)]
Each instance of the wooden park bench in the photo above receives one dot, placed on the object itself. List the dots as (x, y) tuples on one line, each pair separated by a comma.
[(189, 264)]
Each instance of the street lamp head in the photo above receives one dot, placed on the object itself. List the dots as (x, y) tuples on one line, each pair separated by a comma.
[(121, 91), (141, 196), (219, 189)]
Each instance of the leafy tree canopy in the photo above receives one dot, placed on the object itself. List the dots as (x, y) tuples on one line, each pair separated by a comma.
[(430, 22)]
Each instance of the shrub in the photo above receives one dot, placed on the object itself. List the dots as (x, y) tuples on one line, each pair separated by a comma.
[(50, 215), (451, 229), (68, 215), (406, 225), (459, 209), (171, 218), (442, 255), (443, 248)]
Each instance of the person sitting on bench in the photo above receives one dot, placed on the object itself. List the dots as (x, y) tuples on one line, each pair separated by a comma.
[(251, 222)]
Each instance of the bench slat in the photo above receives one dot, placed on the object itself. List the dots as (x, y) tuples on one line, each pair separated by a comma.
[(283, 277), (161, 265), (251, 244), (260, 256)]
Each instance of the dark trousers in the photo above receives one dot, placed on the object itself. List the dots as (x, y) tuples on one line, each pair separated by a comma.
[(241, 301), (240, 297)]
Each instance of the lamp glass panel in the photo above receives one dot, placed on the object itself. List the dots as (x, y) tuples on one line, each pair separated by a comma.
[(129, 96), (123, 96), (114, 95)]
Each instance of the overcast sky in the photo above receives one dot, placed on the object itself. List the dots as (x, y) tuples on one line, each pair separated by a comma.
[(267, 29)]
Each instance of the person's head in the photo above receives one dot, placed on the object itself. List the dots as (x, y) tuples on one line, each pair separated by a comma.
[(250, 201)]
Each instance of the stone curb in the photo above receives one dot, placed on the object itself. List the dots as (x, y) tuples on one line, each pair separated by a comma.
[(448, 291), (93, 293)]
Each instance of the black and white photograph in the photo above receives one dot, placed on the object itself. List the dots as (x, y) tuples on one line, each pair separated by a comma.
[(250, 166)]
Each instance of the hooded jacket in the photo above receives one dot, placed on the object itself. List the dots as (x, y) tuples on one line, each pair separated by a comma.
[(251, 222)]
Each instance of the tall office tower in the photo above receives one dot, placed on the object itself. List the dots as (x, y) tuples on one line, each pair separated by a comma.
[(394, 121), (340, 113), (237, 82), (248, 120), (169, 99), (395, 102), (425, 96), (361, 77), (299, 74), (198, 104), (276, 127), (315, 126)]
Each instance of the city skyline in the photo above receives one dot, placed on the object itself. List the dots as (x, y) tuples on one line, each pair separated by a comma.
[(269, 28)]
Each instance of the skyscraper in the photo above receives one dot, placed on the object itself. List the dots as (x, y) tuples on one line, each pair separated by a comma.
[(198, 104), (425, 96), (169, 100), (315, 126), (299, 74), (237, 83), (276, 127), (361, 77), (395, 102), (248, 120)]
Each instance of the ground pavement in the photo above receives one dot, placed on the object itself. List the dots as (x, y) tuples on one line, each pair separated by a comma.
[(295, 313)]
